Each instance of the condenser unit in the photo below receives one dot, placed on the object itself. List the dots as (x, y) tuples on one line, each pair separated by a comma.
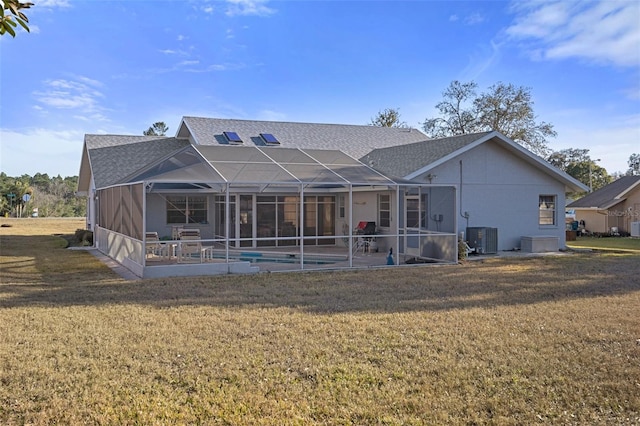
[(483, 239), (635, 229)]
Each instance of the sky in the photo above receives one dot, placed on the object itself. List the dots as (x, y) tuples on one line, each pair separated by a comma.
[(116, 67)]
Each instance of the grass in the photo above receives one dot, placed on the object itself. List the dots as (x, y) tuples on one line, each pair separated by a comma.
[(549, 340), (607, 243)]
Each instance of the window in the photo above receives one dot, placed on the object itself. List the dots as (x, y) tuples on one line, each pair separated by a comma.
[(232, 137), (547, 210), (384, 210), (269, 139), (186, 209)]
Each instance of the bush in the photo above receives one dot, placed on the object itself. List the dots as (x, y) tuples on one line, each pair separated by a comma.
[(462, 250), (84, 236)]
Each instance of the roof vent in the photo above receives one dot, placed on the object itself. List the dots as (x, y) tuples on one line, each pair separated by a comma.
[(269, 139), (233, 138)]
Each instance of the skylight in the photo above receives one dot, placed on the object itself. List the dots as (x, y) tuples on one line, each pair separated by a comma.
[(232, 137), (269, 139)]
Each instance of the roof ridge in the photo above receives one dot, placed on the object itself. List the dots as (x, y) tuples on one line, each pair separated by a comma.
[(306, 123)]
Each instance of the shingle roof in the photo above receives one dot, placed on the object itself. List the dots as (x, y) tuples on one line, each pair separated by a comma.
[(608, 195), (405, 159), (354, 140), (113, 157)]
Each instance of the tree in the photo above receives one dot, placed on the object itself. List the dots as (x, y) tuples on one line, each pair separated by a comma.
[(634, 165), (390, 117), (578, 164), (565, 158), (455, 119), (157, 129), (505, 108), (52, 196), (11, 16)]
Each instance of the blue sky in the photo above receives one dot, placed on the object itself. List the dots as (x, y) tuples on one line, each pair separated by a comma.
[(92, 66)]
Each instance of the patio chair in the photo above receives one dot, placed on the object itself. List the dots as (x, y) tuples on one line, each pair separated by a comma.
[(175, 232), (190, 246), (154, 249), (188, 232), (365, 232)]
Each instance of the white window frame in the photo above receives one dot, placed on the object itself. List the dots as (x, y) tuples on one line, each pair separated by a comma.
[(547, 210), (386, 224), (187, 216)]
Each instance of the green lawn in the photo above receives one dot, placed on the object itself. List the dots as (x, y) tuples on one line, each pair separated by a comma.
[(607, 243)]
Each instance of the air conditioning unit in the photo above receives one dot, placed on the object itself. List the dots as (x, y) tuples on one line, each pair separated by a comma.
[(483, 239), (635, 229)]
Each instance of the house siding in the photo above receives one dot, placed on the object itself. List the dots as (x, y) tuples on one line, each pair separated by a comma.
[(621, 215), (500, 190)]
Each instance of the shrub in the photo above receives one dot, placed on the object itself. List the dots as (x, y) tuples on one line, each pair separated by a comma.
[(84, 236), (462, 250)]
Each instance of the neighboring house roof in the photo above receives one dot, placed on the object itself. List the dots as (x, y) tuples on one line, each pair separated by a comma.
[(609, 195), (354, 140), (412, 160), (110, 158)]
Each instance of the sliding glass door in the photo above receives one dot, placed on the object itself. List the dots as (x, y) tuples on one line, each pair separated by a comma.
[(259, 219)]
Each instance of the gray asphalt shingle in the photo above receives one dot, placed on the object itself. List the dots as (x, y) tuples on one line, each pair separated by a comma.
[(354, 140), (605, 197), (402, 160), (114, 157)]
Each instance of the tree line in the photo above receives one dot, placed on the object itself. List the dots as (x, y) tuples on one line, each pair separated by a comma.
[(40, 195)]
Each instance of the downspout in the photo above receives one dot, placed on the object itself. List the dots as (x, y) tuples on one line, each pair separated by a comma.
[(350, 245), (464, 215)]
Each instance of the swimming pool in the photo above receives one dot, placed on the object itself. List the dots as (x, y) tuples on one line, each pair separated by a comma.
[(262, 257)]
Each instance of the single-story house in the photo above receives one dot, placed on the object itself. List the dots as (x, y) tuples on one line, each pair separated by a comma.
[(610, 209), (238, 196), (508, 197)]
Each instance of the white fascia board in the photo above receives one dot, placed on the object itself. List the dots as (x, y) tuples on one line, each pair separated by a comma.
[(191, 135), (626, 191), (568, 180)]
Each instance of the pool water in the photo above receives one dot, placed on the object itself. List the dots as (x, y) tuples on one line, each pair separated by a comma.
[(256, 257)]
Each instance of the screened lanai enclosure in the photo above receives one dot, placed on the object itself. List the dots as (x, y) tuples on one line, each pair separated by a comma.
[(229, 209)]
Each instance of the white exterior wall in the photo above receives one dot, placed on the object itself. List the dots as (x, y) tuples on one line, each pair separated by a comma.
[(500, 190)]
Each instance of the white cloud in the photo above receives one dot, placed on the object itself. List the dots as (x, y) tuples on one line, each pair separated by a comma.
[(81, 95), (41, 151), (67, 94), (248, 7), (483, 58), (473, 19), (605, 32), (53, 3)]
